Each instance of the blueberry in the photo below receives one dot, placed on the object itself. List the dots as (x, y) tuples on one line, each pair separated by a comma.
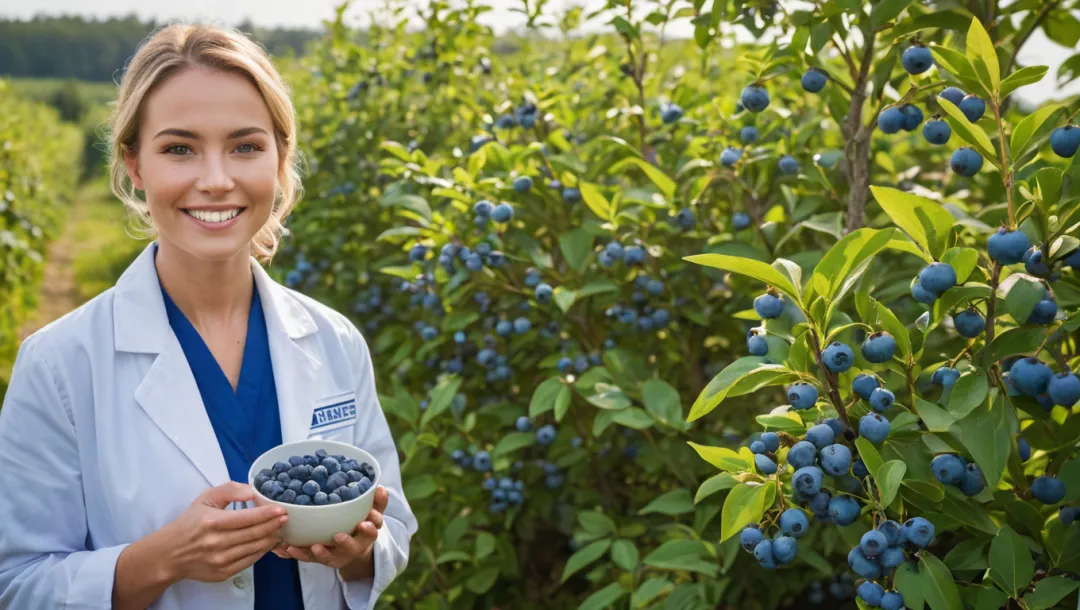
[(268, 488), (522, 325), (1024, 448), (1067, 515), (948, 468), (863, 565), (921, 294), (769, 306), (748, 135), (502, 213), (937, 277), (280, 467), (784, 549), (821, 435), (635, 255), (954, 95), (546, 435), (763, 552), (814, 80), (1064, 141), (912, 116), (543, 293), (287, 497), (859, 469), (881, 399), (788, 164), (871, 593), (838, 357), (793, 522), (807, 480), (1064, 389), (973, 107), (802, 454), (916, 60), (1030, 376), (349, 492), (891, 530), (864, 385), (311, 488), (730, 156), (284, 478), (754, 98), (296, 485), (333, 499), (482, 461), (296, 460), (802, 395), (834, 424), (892, 557), (740, 221), (879, 347), (1044, 312), (1048, 489), (522, 184), (337, 480), (1034, 263), (515, 497), (819, 504), (771, 440), (969, 323), (553, 481), (749, 538), (945, 377), (488, 484), (844, 510), (764, 464), (973, 482), (892, 600), (937, 131), (891, 120), (919, 532), (966, 162), (260, 480), (874, 428), (756, 343), (836, 459), (670, 113), (303, 500), (523, 424), (320, 499)]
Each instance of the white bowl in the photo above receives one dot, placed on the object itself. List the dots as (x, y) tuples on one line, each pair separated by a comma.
[(310, 524)]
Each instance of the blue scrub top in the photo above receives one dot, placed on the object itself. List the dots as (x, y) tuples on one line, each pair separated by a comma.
[(246, 424)]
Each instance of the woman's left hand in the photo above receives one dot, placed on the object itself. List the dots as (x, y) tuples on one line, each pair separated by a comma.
[(346, 549)]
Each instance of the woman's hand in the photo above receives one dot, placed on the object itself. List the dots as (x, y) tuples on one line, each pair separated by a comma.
[(353, 555), (210, 544)]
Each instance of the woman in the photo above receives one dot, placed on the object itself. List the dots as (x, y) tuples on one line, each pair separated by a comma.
[(130, 424)]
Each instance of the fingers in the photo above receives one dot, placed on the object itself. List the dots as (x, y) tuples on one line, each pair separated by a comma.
[(375, 518), (226, 493), (245, 562), (259, 531), (241, 551), (299, 553), (382, 498), (246, 517), (349, 545)]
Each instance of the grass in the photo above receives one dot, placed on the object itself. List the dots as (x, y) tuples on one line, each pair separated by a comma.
[(104, 248)]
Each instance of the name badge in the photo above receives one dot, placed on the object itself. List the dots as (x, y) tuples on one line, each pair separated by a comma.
[(335, 412)]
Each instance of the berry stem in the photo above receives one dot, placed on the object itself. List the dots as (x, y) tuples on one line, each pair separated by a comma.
[(830, 382), (1006, 171), (992, 300)]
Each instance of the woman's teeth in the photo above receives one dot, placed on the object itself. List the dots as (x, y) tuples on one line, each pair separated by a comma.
[(215, 216)]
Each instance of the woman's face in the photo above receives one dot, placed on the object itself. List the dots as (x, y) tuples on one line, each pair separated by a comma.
[(207, 161)]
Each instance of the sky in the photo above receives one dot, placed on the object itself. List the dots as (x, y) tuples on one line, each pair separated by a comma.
[(311, 13)]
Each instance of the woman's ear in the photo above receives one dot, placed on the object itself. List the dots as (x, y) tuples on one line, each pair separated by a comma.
[(131, 162)]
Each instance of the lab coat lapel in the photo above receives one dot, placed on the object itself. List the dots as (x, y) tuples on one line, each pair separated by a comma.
[(168, 392), (296, 367)]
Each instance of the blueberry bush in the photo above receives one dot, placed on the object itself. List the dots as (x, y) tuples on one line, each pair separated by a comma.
[(667, 323), (39, 169)]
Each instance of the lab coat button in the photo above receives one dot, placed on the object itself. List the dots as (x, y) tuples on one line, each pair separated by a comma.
[(238, 582)]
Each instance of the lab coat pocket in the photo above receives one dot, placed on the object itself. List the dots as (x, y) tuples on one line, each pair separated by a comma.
[(334, 417)]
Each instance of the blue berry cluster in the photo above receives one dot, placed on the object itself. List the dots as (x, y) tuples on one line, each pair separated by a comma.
[(317, 479), (505, 492), (952, 469), (881, 551)]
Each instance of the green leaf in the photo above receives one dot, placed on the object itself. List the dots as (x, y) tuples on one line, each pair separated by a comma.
[(581, 559), (420, 487), (481, 581), (741, 377), (844, 256), (869, 454), (674, 502), (1012, 341), (545, 396), (650, 590), (595, 200), (744, 505), (625, 554), (604, 597), (564, 298), (596, 523), (969, 132), (908, 582), (576, 245), (1049, 591), (969, 392), (888, 479), (441, 395), (721, 457), (485, 544), (1070, 551), (413, 203), (1030, 125), (967, 555), (681, 555), (985, 433), (1021, 78), (935, 418), (607, 396), (919, 217), (1011, 565), (562, 402), (963, 261), (662, 400), (512, 442), (1022, 296), (956, 64), (877, 315), (886, 10), (783, 422), (713, 484), (449, 556), (748, 267), (657, 175), (980, 48), (938, 584)]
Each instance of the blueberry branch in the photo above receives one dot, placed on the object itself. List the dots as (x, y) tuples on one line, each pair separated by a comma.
[(994, 278), (1006, 171), (831, 383)]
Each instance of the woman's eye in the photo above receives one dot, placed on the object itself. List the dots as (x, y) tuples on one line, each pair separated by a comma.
[(178, 149), (247, 148)]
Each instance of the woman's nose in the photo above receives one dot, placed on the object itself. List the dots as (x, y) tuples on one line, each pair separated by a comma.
[(215, 178)]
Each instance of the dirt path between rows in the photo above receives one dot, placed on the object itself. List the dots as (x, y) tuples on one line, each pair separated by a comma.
[(59, 292)]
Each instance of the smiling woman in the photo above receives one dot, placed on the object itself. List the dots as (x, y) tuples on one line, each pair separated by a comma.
[(147, 407)]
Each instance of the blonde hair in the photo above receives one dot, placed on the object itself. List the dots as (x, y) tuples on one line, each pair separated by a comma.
[(178, 46)]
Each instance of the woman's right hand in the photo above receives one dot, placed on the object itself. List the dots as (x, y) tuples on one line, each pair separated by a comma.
[(211, 544)]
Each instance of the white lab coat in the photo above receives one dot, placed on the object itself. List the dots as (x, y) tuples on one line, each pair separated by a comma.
[(104, 439)]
